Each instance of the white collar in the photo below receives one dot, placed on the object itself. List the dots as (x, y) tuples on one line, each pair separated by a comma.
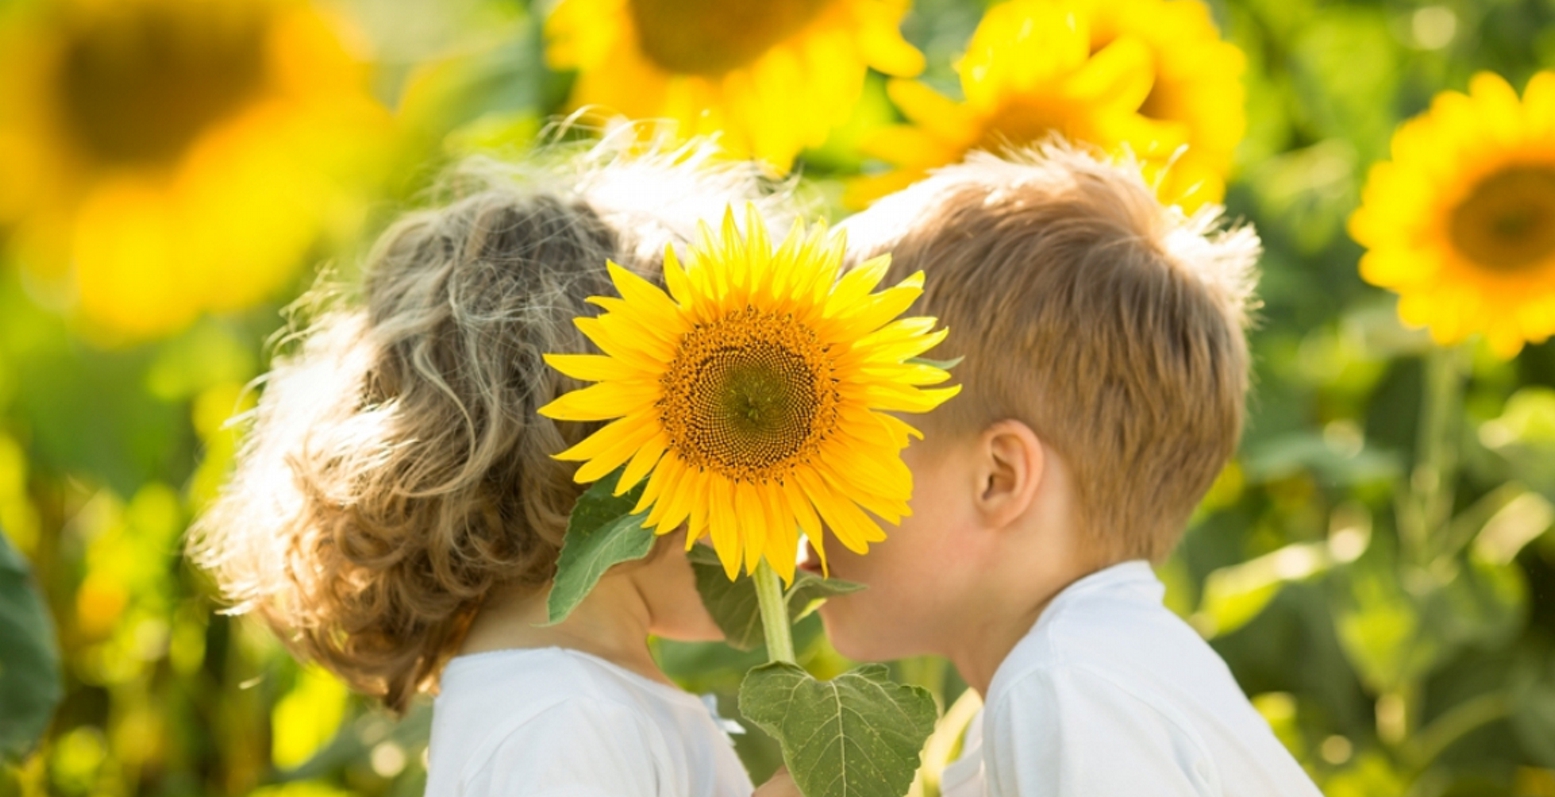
[(1132, 581), (1133, 576)]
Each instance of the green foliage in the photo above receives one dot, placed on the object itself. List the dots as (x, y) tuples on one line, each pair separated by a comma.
[(1397, 623), (733, 603), (601, 533), (856, 734), (29, 660)]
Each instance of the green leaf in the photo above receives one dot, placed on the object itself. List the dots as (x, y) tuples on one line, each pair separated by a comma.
[(1524, 435), (857, 735), (601, 532), (1236, 594), (1397, 623), (1380, 626), (943, 365), (733, 603), (29, 661)]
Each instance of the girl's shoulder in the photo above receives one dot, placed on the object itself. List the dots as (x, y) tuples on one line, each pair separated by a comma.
[(536, 715), (542, 676)]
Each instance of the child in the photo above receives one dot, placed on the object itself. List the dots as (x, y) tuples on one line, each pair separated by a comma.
[(1102, 392), (396, 513)]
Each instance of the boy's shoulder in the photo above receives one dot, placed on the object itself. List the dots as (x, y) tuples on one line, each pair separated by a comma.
[(1112, 617), (1110, 630), (1109, 674)]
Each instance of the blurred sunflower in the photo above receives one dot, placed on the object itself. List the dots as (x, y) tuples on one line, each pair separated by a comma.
[(169, 157), (772, 76), (1461, 223), (756, 394), (1150, 75)]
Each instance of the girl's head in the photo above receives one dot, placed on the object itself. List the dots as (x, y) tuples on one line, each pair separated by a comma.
[(396, 472)]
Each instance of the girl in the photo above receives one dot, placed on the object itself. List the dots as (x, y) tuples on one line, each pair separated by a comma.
[(395, 513)]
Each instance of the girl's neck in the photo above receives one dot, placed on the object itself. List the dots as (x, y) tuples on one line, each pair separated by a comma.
[(611, 623)]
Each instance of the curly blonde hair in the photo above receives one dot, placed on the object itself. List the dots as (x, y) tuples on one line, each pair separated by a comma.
[(395, 471)]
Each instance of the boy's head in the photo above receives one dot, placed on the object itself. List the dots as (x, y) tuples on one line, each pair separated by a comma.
[(1103, 380)]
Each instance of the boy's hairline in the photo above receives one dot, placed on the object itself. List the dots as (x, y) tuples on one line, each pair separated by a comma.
[(1186, 240)]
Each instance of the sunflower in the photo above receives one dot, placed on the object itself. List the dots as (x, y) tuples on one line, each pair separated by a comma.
[(771, 76), (1152, 76), (754, 396), (1461, 223), (168, 157)]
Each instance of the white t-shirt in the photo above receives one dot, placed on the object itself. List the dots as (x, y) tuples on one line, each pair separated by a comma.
[(1112, 694), (552, 722)]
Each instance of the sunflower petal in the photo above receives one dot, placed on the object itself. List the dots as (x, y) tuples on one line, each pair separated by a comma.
[(642, 462), (723, 522), (601, 402), (608, 437), (594, 367)]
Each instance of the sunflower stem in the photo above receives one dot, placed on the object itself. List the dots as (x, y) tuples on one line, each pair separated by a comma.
[(774, 614), (1436, 457)]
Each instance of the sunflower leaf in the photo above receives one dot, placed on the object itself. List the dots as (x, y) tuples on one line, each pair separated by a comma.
[(733, 603), (601, 532), (857, 735), (943, 365), (30, 686)]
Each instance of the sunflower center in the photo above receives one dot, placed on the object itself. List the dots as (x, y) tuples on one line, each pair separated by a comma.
[(749, 395), (711, 37), (139, 82), (1508, 221)]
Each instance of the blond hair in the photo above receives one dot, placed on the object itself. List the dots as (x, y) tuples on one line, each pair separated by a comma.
[(395, 471), (1109, 324)]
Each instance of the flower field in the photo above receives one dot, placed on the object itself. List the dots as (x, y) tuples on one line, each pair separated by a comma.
[(1377, 564)]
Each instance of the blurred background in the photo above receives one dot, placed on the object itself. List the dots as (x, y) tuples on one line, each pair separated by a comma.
[(1376, 565)]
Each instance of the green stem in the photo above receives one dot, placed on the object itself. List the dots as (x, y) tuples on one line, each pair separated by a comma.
[(1453, 725), (774, 614), (1436, 457)]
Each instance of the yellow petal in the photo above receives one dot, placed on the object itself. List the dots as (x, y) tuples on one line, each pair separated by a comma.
[(594, 367), (663, 478), (642, 463), (610, 340), (601, 402), (944, 118), (607, 437), (675, 278), (641, 293), (612, 458), (723, 523), (1120, 74), (751, 514)]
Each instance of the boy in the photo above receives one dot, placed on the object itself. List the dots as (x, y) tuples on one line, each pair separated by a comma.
[(1102, 392)]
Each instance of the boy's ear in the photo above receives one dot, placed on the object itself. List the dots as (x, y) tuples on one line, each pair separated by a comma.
[(1011, 464)]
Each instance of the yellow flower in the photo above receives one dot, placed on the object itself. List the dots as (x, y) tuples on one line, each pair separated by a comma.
[(756, 393), (772, 76), (163, 158), (1461, 223), (1150, 75)]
